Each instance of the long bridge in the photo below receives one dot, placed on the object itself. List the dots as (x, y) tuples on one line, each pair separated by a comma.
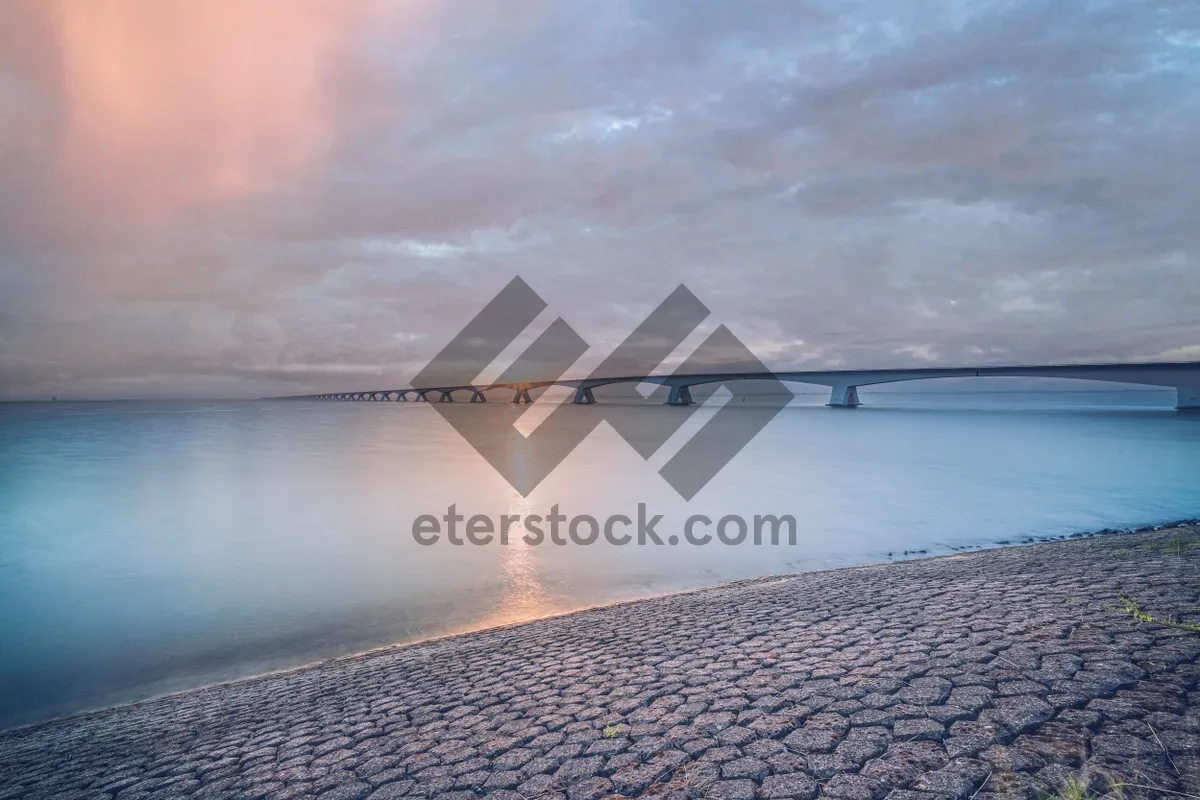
[(1184, 377)]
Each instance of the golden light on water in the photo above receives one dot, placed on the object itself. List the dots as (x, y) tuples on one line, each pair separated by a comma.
[(523, 595)]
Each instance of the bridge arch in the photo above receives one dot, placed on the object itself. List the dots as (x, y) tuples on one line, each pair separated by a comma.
[(844, 385)]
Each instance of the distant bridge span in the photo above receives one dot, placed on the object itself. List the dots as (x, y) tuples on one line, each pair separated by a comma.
[(1184, 377)]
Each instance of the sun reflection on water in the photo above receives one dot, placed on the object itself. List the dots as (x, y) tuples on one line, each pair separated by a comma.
[(523, 594)]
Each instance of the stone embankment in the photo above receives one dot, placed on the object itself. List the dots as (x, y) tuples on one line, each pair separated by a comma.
[(1061, 669)]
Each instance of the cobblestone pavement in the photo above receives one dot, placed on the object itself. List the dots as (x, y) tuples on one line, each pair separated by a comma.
[(1000, 673)]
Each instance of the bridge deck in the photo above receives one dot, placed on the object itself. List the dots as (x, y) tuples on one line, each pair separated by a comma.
[(1184, 377)]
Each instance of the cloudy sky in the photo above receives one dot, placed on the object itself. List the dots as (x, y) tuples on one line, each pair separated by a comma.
[(220, 198)]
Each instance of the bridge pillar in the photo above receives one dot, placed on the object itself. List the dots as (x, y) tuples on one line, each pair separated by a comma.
[(478, 396), (522, 396), (1187, 398), (421, 398), (584, 397), (401, 397), (447, 397), (843, 397), (680, 396)]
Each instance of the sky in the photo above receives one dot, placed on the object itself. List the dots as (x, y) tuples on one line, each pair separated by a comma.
[(210, 198)]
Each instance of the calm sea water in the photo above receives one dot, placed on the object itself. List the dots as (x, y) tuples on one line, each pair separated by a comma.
[(148, 547)]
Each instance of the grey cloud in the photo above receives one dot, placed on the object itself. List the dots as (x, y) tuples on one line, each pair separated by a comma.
[(842, 184)]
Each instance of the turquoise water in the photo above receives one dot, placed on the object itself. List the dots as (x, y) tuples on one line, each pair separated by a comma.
[(148, 547)]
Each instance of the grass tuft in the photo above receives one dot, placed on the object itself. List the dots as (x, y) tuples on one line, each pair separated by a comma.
[(1130, 607), (1178, 545), (1077, 789)]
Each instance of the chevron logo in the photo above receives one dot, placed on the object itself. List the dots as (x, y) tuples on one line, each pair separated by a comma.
[(634, 361)]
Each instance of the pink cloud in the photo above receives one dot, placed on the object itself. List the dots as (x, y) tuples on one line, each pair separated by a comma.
[(175, 104)]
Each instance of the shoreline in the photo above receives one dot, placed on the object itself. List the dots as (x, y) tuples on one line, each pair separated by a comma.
[(906, 556), (1030, 671)]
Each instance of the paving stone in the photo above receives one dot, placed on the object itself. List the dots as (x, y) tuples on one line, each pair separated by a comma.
[(907, 730), (635, 779), (347, 791), (958, 779), (764, 748), (752, 768), (736, 736), (782, 763), (865, 743), (825, 765), (855, 787), (969, 745), (390, 791), (819, 735), (926, 691), (731, 790), (720, 754), (578, 768), (590, 789), (794, 785), (1020, 714), (538, 785)]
